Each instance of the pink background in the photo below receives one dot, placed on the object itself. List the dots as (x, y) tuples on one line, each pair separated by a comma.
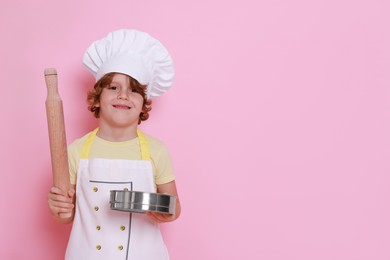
[(278, 122)]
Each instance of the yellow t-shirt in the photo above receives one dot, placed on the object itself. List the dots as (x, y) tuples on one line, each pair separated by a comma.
[(130, 150)]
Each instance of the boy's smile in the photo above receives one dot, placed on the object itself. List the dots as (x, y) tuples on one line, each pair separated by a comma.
[(122, 107)]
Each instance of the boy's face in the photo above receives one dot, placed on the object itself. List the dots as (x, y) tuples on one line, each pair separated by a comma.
[(119, 105)]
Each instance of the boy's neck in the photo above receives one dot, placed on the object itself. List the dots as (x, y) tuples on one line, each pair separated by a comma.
[(114, 134)]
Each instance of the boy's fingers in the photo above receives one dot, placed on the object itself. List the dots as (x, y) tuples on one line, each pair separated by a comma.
[(59, 198), (158, 217), (65, 205), (58, 194), (57, 211), (71, 193), (60, 203), (58, 191)]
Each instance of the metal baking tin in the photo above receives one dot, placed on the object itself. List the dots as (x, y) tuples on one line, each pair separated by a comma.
[(142, 202)]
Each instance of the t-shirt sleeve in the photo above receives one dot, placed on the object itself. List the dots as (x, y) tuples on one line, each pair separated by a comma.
[(163, 165), (73, 158)]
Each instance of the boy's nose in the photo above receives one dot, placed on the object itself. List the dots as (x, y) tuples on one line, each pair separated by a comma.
[(123, 94)]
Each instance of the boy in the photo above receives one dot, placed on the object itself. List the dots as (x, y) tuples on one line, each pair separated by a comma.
[(130, 67)]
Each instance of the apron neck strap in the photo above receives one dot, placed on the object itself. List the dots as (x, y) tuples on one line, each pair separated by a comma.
[(144, 146), (143, 143)]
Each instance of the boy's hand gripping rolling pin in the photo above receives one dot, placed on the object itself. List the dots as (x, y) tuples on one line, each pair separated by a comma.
[(57, 137)]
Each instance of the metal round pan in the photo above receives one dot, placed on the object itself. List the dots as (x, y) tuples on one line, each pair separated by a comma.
[(142, 202)]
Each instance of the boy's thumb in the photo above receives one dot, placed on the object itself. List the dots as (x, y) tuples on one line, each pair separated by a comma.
[(71, 193)]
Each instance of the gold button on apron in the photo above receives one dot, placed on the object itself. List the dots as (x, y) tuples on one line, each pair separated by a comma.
[(96, 208), (123, 228), (95, 189), (120, 247), (98, 247), (98, 227)]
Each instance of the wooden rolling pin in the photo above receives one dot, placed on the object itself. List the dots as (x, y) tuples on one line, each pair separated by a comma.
[(57, 137)]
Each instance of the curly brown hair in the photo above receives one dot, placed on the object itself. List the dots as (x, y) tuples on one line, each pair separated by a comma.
[(93, 97)]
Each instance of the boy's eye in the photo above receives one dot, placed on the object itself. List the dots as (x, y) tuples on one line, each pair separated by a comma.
[(117, 88), (112, 87)]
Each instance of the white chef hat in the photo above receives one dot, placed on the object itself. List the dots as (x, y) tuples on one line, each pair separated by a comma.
[(133, 53)]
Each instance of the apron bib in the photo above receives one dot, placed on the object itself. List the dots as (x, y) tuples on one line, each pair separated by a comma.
[(101, 233)]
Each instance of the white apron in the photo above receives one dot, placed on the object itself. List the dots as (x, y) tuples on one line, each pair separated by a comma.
[(101, 233)]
